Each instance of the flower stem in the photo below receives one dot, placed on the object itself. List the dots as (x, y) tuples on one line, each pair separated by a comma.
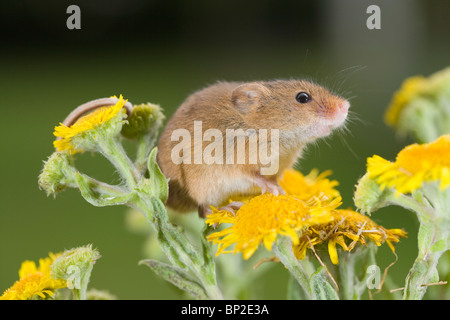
[(80, 293), (432, 242), (283, 250), (177, 248), (432, 239), (353, 286), (423, 272), (145, 144), (347, 277), (113, 151), (410, 203)]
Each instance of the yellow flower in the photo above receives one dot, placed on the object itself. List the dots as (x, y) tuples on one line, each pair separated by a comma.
[(34, 281), (263, 218), (346, 224), (413, 87), (410, 89), (312, 185), (84, 124), (414, 165), (307, 222), (303, 187)]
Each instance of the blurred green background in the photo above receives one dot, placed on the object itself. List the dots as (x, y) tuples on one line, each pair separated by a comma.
[(161, 51)]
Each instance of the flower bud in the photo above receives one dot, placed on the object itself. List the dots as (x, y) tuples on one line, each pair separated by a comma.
[(75, 266), (57, 173), (368, 195), (421, 107), (82, 257), (145, 119)]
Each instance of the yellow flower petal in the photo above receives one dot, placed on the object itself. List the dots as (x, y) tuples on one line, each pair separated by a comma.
[(27, 267), (332, 251), (269, 238), (312, 185), (300, 250), (340, 240), (415, 165)]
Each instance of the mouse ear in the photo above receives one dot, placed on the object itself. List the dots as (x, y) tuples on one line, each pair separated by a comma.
[(248, 96)]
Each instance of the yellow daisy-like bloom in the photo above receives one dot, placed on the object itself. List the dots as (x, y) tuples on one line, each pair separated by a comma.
[(411, 88), (347, 224), (414, 165), (312, 185), (414, 87), (34, 281), (304, 187), (263, 218), (84, 124)]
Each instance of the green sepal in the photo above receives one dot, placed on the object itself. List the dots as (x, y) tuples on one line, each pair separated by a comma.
[(368, 196), (321, 288), (177, 277), (158, 182)]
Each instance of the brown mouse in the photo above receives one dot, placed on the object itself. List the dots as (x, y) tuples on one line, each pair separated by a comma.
[(273, 121)]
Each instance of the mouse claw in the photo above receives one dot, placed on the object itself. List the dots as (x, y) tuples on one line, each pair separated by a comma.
[(232, 206), (268, 186)]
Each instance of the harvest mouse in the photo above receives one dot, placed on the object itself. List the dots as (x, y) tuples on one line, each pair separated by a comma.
[(199, 151)]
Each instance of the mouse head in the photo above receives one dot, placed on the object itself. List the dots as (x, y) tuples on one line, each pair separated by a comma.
[(297, 106)]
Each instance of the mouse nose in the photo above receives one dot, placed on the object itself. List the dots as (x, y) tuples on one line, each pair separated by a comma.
[(344, 106)]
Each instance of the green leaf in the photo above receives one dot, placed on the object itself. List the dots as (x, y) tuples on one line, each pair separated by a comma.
[(177, 277), (321, 288), (439, 245), (208, 258), (99, 199), (206, 246), (294, 290), (425, 236), (176, 245), (158, 182)]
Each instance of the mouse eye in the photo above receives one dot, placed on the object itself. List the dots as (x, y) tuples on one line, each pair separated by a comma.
[(303, 97)]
